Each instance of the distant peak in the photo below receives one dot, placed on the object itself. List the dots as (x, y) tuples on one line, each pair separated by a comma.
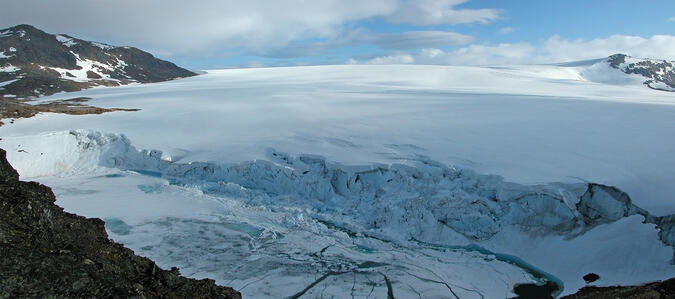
[(618, 55), (23, 30), (617, 59), (48, 63), (24, 27), (658, 74)]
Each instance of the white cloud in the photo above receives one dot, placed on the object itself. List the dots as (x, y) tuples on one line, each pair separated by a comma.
[(393, 40), (479, 55), (657, 46), (553, 50), (440, 12), (431, 53), (217, 26), (183, 26), (392, 59), (417, 39), (505, 30), (671, 19)]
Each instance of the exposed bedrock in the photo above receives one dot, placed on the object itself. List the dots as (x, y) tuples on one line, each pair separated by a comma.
[(655, 290), (659, 74), (46, 252)]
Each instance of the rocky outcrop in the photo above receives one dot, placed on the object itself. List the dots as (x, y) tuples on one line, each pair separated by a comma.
[(14, 109), (46, 252), (654, 290), (659, 74), (44, 64)]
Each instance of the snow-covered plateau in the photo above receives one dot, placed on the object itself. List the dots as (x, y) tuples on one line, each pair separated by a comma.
[(358, 181)]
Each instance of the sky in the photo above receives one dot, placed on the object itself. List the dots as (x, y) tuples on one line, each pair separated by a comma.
[(209, 34)]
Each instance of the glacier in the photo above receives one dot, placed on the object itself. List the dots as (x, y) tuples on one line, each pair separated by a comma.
[(365, 180), (309, 219)]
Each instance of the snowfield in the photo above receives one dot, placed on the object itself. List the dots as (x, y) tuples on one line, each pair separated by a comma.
[(354, 180)]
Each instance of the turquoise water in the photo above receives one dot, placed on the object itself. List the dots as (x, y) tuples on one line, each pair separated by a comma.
[(148, 188), (117, 226), (543, 278), (147, 172)]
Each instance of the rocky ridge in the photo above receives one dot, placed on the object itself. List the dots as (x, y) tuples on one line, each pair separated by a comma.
[(659, 74), (35, 63), (655, 290), (46, 252)]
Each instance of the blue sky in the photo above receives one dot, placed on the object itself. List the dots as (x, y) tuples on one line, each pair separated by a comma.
[(538, 20), (527, 21), (229, 33)]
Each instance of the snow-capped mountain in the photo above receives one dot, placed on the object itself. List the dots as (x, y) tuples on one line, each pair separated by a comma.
[(659, 74), (617, 70), (35, 63)]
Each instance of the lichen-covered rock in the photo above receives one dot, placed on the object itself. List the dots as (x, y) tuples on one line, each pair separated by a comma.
[(45, 251)]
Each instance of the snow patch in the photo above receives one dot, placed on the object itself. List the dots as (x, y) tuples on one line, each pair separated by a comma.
[(660, 86), (66, 41), (102, 46), (5, 83), (602, 72), (9, 69), (4, 56), (86, 65)]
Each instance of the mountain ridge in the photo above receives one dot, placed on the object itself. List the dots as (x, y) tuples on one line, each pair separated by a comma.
[(659, 74), (34, 63)]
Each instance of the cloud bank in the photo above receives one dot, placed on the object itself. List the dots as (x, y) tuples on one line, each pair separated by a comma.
[(553, 50), (254, 26), (440, 12), (286, 29)]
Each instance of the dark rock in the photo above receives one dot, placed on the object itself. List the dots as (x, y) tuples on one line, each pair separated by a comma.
[(46, 252), (666, 225), (591, 277), (654, 71), (92, 75), (13, 109), (532, 291), (654, 290), (35, 53), (616, 60)]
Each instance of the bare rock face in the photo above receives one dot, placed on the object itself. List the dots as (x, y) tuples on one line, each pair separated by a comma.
[(659, 74), (654, 290), (46, 252), (44, 64)]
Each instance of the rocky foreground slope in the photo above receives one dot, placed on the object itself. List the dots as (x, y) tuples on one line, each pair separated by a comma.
[(45, 251), (655, 290), (34, 63)]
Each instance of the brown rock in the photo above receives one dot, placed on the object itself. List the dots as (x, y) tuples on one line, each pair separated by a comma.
[(46, 252)]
